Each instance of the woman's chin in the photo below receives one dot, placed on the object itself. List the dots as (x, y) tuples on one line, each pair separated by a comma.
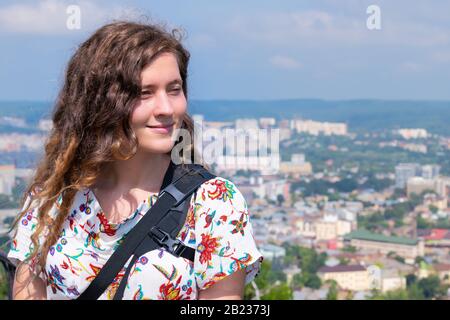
[(158, 148)]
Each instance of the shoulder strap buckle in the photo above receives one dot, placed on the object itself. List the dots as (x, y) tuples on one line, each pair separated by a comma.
[(174, 246)]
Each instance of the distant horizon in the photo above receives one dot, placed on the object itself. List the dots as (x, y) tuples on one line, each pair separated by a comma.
[(358, 114), (269, 100)]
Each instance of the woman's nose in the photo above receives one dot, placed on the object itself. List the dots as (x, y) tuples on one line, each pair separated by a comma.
[(163, 105)]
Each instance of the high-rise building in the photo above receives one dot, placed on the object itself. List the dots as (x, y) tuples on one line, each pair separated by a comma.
[(405, 171), (418, 185), (316, 128), (267, 122), (7, 179), (430, 171), (298, 158), (413, 133)]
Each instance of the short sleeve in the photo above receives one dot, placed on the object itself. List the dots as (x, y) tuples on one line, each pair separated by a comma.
[(22, 246), (224, 235)]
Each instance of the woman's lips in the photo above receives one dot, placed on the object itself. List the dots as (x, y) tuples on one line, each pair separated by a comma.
[(161, 129)]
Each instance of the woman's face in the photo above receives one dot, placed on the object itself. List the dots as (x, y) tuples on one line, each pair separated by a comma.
[(162, 103)]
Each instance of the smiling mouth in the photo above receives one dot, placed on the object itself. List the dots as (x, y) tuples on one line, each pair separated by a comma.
[(166, 126), (161, 129)]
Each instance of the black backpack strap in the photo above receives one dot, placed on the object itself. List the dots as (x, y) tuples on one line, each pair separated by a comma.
[(171, 195), (163, 235)]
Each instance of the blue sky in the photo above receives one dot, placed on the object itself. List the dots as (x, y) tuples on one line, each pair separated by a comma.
[(254, 49)]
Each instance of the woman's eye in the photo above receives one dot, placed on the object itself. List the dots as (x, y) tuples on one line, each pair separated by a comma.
[(176, 90), (146, 93)]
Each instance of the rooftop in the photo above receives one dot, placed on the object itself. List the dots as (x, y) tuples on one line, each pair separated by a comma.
[(341, 268), (369, 236), (434, 234), (442, 267)]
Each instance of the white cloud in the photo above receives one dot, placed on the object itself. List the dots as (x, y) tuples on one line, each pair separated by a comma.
[(202, 40), (441, 56), (50, 16), (285, 62), (293, 28), (317, 28), (410, 66)]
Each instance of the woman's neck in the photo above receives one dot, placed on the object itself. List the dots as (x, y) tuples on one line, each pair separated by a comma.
[(143, 171)]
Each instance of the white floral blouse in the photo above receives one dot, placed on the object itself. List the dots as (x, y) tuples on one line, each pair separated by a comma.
[(217, 226)]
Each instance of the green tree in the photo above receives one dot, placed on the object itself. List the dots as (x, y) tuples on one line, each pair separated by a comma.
[(431, 287), (419, 259), (276, 275), (298, 281), (306, 279), (333, 291), (415, 292), (422, 223), (313, 281), (6, 202), (249, 292), (279, 292), (433, 209), (280, 199), (3, 284), (350, 249), (399, 294), (308, 259), (410, 279), (346, 185), (262, 280)]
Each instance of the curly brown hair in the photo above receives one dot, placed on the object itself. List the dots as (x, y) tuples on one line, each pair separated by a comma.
[(91, 119)]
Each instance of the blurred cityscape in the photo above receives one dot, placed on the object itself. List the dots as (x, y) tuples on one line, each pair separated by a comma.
[(337, 214)]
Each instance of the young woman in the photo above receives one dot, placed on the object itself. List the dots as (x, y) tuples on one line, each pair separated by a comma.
[(114, 127)]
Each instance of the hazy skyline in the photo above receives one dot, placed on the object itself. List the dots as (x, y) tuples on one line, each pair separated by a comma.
[(249, 50)]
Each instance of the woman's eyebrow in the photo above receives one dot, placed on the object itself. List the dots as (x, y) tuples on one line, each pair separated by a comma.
[(176, 81)]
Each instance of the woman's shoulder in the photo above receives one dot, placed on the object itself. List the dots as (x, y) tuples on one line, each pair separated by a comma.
[(220, 192), (33, 203), (220, 188)]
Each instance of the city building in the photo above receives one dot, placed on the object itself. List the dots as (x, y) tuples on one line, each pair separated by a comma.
[(407, 248), (267, 122), (305, 227), (391, 280), (330, 228), (348, 277), (285, 134), (330, 225), (405, 171), (310, 294), (266, 165), (45, 125), (414, 147), (315, 128), (16, 142), (271, 251), (7, 179), (431, 199), (13, 122), (442, 270), (270, 187), (430, 171), (246, 124), (297, 166), (413, 133), (418, 185), (435, 237)]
